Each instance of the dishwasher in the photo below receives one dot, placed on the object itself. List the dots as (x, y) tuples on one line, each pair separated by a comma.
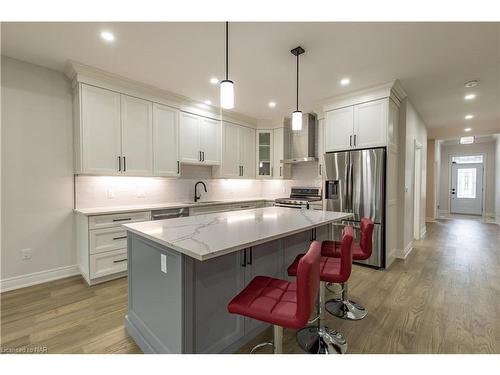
[(169, 213)]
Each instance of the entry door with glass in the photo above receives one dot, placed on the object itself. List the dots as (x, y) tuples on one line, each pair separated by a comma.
[(466, 195)]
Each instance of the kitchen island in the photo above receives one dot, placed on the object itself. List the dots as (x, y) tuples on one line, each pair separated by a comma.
[(184, 271)]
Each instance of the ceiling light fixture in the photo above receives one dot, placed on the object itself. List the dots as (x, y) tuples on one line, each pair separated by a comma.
[(472, 83), (272, 104), (469, 117), (469, 96), (107, 36), (345, 81), (467, 130), (297, 115), (227, 86), (214, 80), (467, 140)]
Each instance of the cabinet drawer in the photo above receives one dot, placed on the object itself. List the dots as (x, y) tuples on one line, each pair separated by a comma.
[(114, 220), (107, 263), (107, 239)]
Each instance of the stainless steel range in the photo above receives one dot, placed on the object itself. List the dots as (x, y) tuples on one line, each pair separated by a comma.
[(302, 197)]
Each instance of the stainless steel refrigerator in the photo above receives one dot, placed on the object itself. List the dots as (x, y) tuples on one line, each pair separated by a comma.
[(355, 182)]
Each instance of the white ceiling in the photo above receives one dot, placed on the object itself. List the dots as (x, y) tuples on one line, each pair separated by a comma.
[(432, 61)]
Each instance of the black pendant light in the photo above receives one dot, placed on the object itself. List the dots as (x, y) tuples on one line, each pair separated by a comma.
[(227, 86), (297, 115)]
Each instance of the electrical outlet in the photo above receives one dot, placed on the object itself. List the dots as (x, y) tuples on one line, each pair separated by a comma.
[(26, 254), (110, 193)]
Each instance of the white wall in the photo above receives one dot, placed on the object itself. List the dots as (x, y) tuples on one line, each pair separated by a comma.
[(487, 148), (497, 178), (37, 169), (412, 129)]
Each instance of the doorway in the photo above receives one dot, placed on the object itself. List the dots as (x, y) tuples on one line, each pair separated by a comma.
[(466, 185), (417, 191)]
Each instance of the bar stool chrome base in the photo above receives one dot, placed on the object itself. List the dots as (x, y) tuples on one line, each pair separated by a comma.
[(315, 340), (348, 310)]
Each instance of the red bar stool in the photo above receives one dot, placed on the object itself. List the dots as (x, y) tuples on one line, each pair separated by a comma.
[(343, 307), (279, 302), (320, 339)]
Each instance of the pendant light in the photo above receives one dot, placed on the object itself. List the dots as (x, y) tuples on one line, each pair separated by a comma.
[(297, 115), (227, 86)]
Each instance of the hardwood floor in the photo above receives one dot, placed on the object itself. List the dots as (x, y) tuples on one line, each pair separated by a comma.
[(444, 298)]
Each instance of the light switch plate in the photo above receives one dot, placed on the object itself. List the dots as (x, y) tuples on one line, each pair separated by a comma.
[(163, 263)]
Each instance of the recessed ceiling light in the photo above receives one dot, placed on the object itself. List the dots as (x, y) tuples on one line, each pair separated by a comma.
[(469, 96), (468, 117), (272, 104), (467, 140), (107, 36), (345, 81), (214, 80), (208, 102), (472, 83), (467, 130)]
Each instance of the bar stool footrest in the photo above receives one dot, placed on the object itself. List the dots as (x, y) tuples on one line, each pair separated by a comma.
[(348, 310), (314, 340)]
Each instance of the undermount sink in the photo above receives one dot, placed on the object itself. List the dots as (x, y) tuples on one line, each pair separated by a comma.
[(201, 202)]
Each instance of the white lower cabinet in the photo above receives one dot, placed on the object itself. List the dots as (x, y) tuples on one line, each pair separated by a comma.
[(102, 244)]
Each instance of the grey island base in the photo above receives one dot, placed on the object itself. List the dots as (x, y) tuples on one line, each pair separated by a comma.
[(183, 272)]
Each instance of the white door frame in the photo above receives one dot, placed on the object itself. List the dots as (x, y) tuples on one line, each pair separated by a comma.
[(450, 157), (417, 188)]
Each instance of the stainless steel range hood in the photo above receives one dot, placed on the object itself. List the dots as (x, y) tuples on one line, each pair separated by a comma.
[(303, 144)]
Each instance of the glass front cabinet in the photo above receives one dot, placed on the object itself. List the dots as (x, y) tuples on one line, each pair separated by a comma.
[(264, 153)]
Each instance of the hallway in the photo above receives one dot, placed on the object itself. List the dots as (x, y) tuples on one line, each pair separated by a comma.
[(444, 298)]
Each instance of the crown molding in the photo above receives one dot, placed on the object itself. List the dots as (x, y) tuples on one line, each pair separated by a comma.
[(81, 73)]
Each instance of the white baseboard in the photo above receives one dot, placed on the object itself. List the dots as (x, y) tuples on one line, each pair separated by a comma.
[(407, 250), (23, 281)]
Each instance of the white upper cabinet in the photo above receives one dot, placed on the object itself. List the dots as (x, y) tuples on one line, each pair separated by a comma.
[(359, 126), (200, 140), (165, 141), (321, 147), (137, 136), (238, 152), (99, 131), (190, 138), (210, 141), (370, 124), (246, 144), (281, 151), (339, 129), (264, 153)]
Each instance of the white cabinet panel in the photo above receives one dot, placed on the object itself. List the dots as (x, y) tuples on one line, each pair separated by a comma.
[(100, 131), (108, 263), (102, 240), (339, 129), (165, 141), (137, 136), (230, 162), (189, 138), (246, 144), (281, 148), (210, 140), (370, 124)]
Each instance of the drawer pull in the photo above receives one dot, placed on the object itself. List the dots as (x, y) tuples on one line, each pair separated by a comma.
[(120, 260), (126, 219), (119, 238)]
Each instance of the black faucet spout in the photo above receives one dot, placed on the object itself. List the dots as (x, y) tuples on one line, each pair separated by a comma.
[(196, 196)]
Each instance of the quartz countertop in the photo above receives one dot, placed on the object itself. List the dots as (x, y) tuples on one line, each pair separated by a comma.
[(207, 236), (159, 206)]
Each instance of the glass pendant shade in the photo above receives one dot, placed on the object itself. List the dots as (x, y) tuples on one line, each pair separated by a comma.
[(227, 94), (297, 120)]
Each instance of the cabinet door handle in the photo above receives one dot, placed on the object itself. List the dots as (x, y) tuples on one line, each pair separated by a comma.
[(119, 238), (178, 167), (203, 153), (272, 171), (126, 219), (320, 169), (120, 260), (280, 171), (199, 155), (350, 141), (124, 164), (119, 163), (250, 251), (354, 140), (244, 258)]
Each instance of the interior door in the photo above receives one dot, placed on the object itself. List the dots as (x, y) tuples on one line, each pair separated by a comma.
[(210, 139), (137, 136), (466, 194), (166, 141)]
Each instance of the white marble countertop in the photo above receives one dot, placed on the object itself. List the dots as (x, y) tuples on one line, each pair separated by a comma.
[(159, 206), (207, 236)]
